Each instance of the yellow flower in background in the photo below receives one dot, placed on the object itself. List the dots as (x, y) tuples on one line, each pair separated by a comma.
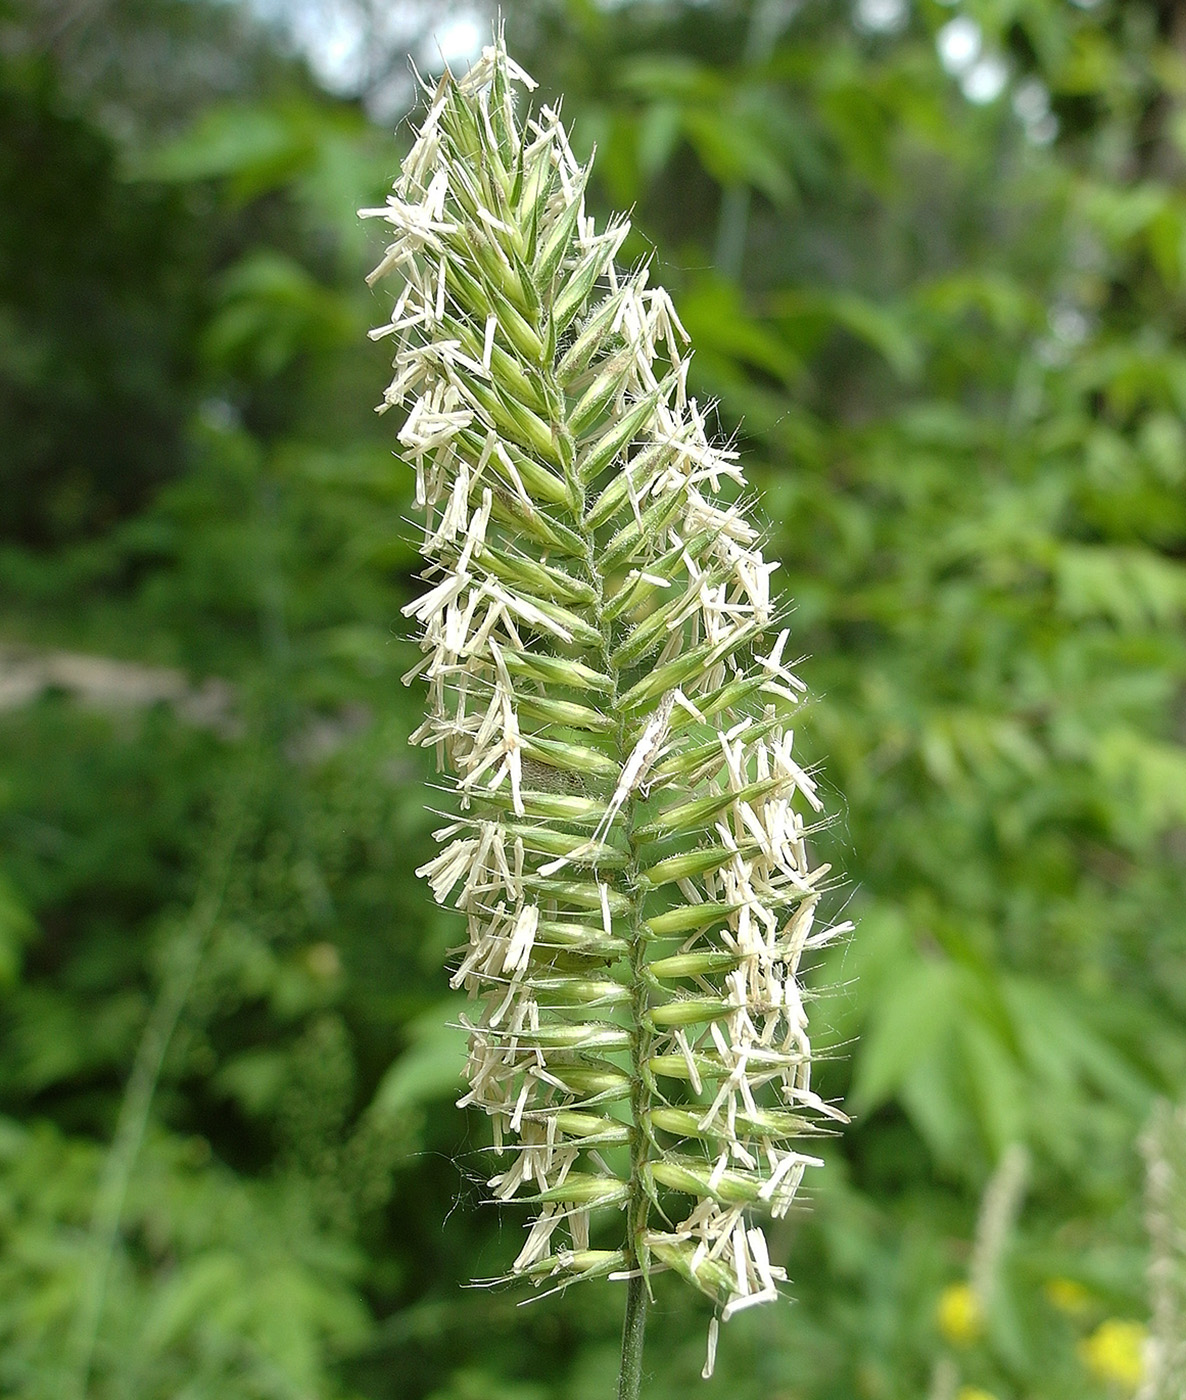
[(959, 1314), (1115, 1352), (972, 1392), (1068, 1296)]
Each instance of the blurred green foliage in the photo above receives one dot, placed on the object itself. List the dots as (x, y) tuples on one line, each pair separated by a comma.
[(951, 351)]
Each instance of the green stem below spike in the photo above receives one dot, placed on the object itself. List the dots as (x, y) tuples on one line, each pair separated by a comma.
[(633, 1331)]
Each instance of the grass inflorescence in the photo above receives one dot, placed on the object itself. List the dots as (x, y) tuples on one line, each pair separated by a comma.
[(608, 693)]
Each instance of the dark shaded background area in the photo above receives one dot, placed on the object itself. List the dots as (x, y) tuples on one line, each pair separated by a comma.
[(947, 335)]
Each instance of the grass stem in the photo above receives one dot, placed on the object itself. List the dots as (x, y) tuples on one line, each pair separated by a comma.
[(633, 1333)]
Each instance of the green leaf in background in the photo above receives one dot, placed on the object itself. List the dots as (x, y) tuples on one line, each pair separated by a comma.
[(735, 151), (912, 1021), (270, 311), (877, 326), (257, 148), (430, 1068), (16, 930)]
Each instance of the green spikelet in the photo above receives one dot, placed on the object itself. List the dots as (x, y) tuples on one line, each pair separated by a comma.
[(606, 690)]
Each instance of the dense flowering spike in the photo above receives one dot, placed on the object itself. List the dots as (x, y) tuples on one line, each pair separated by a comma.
[(607, 690)]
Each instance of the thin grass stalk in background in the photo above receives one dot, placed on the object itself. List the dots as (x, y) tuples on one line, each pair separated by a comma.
[(1164, 1147), (183, 956)]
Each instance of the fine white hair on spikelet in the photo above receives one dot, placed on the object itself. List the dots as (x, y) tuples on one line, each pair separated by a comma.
[(608, 693)]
